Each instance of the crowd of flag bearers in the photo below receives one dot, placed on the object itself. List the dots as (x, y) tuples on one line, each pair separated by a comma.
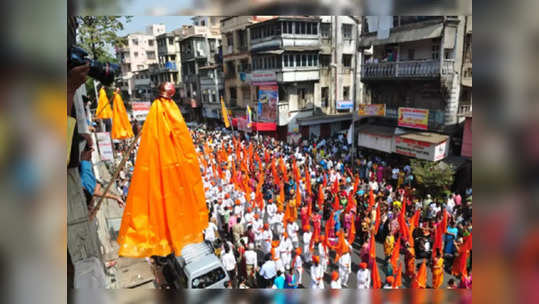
[(285, 205), (279, 215)]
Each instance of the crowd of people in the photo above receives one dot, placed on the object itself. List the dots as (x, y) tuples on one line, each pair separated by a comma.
[(279, 211)]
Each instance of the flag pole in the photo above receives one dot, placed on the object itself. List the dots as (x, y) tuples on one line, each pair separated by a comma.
[(94, 210)]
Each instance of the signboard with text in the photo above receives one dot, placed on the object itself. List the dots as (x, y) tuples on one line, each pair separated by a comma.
[(105, 145), (372, 110), (413, 118), (140, 109), (344, 104), (420, 149), (263, 76)]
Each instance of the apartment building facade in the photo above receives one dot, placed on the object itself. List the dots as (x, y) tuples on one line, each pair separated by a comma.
[(415, 71), (138, 53), (202, 75)]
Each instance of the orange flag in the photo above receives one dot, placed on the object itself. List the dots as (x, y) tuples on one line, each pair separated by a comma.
[(283, 170), (103, 106), (396, 253), (298, 196), (320, 197), (356, 183), (335, 187), (420, 280), (308, 181), (352, 233), (371, 199), (281, 194), (398, 280), (376, 282), (372, 248), (121, 128), (166, 207), (377, 219)]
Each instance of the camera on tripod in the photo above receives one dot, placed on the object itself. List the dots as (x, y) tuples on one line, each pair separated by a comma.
[(104, 72)]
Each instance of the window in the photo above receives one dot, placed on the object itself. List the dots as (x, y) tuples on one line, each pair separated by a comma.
[(303, 60), (285, 61), (347, 31), (301, 96), (150, 54), (310, 60), (134, 41), (297, 27), (346, 93), (347, 60), (290, 27), (325, 97), (309, 28), (209, 278), (325, 30), (150, 42), (303, 27), (315, 28), (135, 54), (171, 41), (203, 23), (140, 67), (325, 60), (411, 54), (435, 49), (229, 40)]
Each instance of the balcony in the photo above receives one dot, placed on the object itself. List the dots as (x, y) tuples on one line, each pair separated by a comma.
[(423, 69), (464, 109)]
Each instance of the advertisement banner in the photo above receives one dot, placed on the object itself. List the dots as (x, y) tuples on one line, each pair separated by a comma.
[(268, 98), (372, 110), (140, 109), (414, 118), (263, 76), (420, 149), (105, 145), (344, 104)]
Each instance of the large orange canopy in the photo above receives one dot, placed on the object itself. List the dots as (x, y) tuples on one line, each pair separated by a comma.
[(165, 208), (121, 128)]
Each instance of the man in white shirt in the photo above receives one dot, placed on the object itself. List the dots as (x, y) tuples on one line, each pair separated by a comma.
[(268, 272), (271, 209), (285, 250), (298, 265), (267, 237), (307, 235), (363, 276), (211, 230), (292, 229), (335, 281), (229, 262), (345, 267), (251, 261), (317, 274)]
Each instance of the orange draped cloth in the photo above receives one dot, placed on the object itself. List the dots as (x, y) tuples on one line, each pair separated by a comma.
[(420, 281), (165, 208), (103, 110), (121, 128)]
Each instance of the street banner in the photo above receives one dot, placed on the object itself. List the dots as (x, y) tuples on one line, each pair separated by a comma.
[(268, 98), (414, 118), (105, 146), (345, 104), (140, 109), (372, 110)]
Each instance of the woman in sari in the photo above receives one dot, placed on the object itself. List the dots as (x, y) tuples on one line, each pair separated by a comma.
[(437, 270)]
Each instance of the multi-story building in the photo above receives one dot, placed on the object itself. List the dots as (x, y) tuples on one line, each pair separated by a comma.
[(415, 63), (415, 66), (310, 62), (202, 74), (168, 66), (138, 52), (237, 61)]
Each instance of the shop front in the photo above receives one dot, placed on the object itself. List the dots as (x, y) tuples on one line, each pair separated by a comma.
[(422, 145)]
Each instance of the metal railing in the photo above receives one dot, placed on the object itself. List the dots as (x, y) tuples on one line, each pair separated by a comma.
[(463, 109), (406, 69)]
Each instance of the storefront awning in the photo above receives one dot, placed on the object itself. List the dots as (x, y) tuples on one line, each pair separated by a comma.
[(428, 137), (272, 52), (264, 126), (404, 35)]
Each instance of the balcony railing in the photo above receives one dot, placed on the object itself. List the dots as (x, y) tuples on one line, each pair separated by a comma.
[(464, 109), (406, 69)]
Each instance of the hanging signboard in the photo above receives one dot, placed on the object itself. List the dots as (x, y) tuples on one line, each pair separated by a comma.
[(105, 146), (372, 110), (140, 110), (268, 98), (413, 118), (421, 149)]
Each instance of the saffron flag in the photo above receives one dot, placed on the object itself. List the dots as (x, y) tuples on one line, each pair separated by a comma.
[(320, 197), (377, 219), (103, 110), (225, 113), (308, 181), (121, 128), (166, 206), (396, 253), (376, 282), (398, 280)]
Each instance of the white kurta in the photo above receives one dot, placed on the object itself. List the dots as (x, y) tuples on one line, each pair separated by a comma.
[(345, 267), (317, 277), (363, 279)]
